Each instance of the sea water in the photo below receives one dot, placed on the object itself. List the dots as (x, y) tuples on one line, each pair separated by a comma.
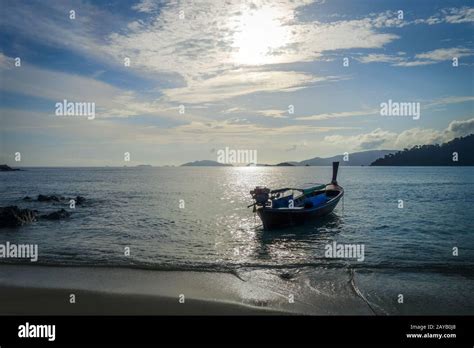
[(416, 225)]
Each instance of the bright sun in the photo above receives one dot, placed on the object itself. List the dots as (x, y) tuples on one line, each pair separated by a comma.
[(259, 33)]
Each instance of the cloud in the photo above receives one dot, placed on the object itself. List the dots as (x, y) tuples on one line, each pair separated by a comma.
[(450, 15), (442, 54), (211, 41), (459, 15), (204, 48), (407, 63), (380, 58), (382, 139), (146, 6), (417, 136), (240, 82), (48, 23), (449, 100), (333, 115), (274, 113), (388, 19), (367, 141), (56, 86), (233, 110), (461, 128), (425, 58)]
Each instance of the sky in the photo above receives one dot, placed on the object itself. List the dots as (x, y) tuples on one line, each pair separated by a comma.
[(177, 81)]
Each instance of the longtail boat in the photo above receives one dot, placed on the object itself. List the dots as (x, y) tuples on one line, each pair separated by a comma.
[(294, 206)]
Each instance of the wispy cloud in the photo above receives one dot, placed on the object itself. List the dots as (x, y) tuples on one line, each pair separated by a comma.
[(240, 82), (146, 6), (425, 58), (57, 86), (454, 15), (274, 113), (334, 115), (233, 110), (443, 54), (449, 100)]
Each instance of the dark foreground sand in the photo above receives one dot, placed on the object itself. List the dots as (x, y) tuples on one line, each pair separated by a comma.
[(43, 290)]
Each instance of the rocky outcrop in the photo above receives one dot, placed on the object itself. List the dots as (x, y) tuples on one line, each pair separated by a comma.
[(55, 198), (13, 216), (52, 198), (57, 215), (80, 200), (5, 168)]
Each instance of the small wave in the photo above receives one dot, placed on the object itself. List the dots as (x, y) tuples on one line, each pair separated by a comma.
[(237, 268), (359, 293)]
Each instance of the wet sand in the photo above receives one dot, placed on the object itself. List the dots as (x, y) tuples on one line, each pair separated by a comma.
[(45, 290)]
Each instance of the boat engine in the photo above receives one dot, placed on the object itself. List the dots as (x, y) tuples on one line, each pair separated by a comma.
[(261, 195)]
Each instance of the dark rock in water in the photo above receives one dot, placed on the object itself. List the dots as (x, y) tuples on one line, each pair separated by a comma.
[(5, 168), (27, 198), (289, 275), (57, 215), (286, 276), (43, 198), (13, 216), (52, 198), (55, 198)]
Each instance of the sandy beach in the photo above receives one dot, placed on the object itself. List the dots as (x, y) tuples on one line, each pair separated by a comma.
[(45, 290)]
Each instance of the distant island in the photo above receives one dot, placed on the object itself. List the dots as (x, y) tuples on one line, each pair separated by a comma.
[(259, 165), (144, 166), (457, 152), (363, 158), (5, 168), (285, 164), (205, 163)]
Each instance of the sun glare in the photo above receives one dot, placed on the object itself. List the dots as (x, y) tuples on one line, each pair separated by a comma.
[(259, 34)]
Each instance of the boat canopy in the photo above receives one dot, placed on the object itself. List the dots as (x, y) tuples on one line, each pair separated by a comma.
[(304, 190), (313, 188)]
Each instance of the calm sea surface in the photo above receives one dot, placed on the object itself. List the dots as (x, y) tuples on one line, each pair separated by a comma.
[(140, 208)]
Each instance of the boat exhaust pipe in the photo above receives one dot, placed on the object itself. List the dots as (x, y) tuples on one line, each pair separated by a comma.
[(335, 167)]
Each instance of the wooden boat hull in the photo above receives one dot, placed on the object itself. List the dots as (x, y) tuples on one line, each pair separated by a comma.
[(279, 218)]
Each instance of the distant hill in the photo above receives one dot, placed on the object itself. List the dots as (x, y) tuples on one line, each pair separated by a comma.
[(283, 164), (205, 163), (363, 158), (433, 155)]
